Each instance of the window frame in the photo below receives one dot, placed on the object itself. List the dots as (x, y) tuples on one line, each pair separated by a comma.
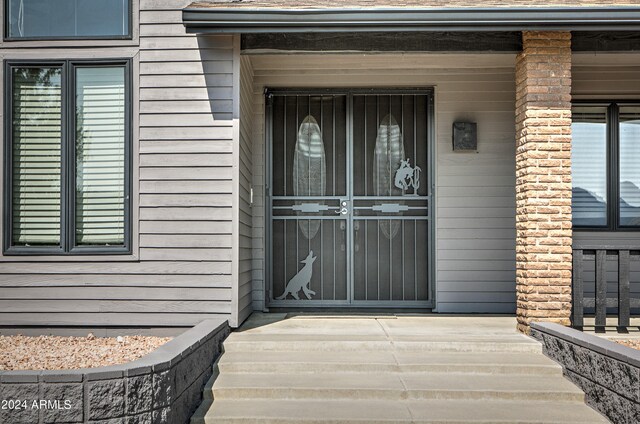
[(7, 38), (613, 165), (68, 246)]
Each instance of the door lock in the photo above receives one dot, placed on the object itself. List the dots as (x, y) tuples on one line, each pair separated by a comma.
[(343, 209)]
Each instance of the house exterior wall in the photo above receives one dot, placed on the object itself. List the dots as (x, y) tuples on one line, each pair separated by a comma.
[(198, 239), (474, 192), (183, 265)]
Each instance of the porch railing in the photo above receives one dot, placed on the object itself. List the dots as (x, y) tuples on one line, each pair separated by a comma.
[(623, 301)]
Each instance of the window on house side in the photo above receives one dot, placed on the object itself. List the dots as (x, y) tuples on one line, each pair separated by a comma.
[(605, 154), (44, 19), (589, 166), (67, 159), (629, 166)]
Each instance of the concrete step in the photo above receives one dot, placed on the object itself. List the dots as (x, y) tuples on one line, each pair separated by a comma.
[(523, 411), (410, 369), (309, 343), (394, 386), (342, 337), (386, 361)]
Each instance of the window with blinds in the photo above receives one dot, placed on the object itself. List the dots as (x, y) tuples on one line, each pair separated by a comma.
[(100, 156), (36, 156), (629, 166), (68, 183), (605, 154), (589, 166)]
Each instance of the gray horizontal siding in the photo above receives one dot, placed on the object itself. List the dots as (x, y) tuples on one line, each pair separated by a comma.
[(258, 179), (104, 318), (245, 169), (182, 271)]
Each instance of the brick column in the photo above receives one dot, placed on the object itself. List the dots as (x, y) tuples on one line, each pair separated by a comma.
[(543, 178)]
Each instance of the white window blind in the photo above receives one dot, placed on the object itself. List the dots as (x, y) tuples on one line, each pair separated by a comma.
[(589, 165), (629, 169), (36, 156), (100, 156)]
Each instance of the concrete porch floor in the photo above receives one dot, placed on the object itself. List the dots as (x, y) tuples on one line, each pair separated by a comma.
[(330, 368)]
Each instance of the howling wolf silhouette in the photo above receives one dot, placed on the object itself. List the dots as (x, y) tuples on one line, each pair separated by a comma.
[(301, 280)]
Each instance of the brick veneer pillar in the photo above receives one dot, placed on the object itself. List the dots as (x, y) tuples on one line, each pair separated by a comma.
[(543, 178)]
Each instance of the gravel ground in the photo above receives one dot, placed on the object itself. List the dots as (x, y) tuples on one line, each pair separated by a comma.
[(631, 343), (55, 353)]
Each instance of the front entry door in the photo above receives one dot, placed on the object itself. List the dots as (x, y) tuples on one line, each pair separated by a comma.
[(349, 198)]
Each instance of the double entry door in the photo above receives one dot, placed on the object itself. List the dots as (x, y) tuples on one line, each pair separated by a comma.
[(349, 198)]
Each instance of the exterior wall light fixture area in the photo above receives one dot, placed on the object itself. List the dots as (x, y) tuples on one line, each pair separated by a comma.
[(465, 137)]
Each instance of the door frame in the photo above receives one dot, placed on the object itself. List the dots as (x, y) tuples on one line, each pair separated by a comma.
[(268, 184)]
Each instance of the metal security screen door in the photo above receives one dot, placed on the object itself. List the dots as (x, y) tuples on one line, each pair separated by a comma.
[(350, 198)]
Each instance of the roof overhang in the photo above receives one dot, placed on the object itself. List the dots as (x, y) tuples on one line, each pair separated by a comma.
[(268, 20)]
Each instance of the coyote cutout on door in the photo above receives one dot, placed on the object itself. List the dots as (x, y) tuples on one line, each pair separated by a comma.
[(301, 280)]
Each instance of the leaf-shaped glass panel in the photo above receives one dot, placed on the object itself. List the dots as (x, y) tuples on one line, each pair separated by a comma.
[(309, 168), (388, 155)]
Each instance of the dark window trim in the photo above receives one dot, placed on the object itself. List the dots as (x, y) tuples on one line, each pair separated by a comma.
[(613, 166), (8, 38), (67, 224)]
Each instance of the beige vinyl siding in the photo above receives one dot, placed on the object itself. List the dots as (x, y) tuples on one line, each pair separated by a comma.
[(475, 192), (608, 77), (181, 270)]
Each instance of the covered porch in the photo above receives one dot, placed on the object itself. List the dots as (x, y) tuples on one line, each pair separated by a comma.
[(501, 237)]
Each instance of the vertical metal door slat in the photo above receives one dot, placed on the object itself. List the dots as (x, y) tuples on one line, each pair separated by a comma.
[(388, 138), (309, 147), (366, 153), (333, 136), (403, 264), (366, 260), (390, 264), (415, 261), (377, 256), (415, 128), (284, 150), (333, 222)]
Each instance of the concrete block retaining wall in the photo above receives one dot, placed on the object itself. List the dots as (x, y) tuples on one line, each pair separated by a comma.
[(164, 386), (607, 372)]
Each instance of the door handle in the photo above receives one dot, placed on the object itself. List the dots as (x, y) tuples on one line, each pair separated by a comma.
[(343, 209)]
